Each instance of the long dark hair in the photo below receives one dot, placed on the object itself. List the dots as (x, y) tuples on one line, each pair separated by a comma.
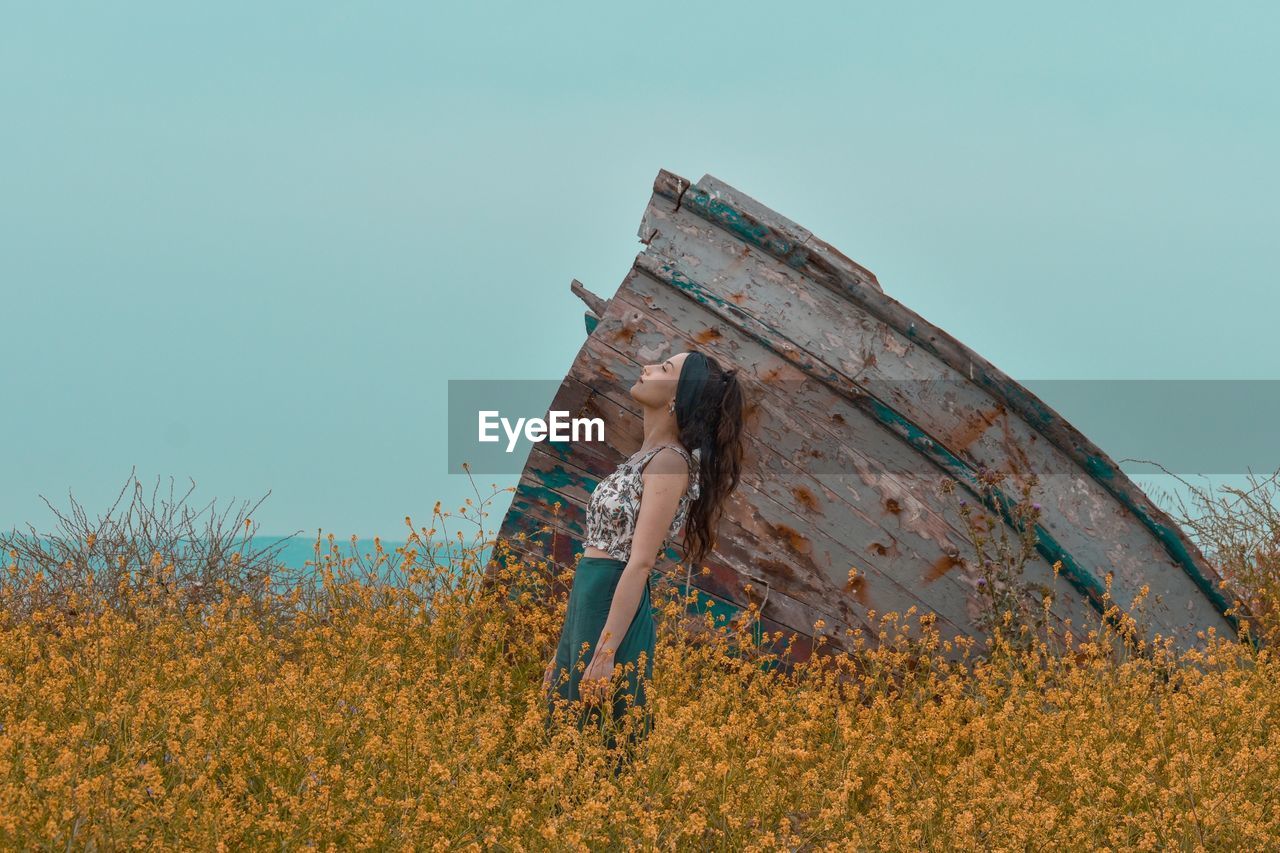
[(709, 404)]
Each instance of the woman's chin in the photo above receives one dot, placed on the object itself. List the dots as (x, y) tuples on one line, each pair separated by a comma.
[(637, 393)]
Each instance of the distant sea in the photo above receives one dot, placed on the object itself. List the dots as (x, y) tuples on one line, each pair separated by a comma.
[(295, 551)]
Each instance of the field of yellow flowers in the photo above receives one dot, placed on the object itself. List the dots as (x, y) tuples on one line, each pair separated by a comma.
[(404, 711)]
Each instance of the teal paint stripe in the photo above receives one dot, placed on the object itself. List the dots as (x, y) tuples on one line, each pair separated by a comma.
[(1174, 545), (745, 227), (528, 497), (559, 478), (1079, 577)]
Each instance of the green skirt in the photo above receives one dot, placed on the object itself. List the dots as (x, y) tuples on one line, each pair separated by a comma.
[(589, 601)]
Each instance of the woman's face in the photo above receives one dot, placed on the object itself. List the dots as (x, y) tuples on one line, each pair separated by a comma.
[(656, 386)]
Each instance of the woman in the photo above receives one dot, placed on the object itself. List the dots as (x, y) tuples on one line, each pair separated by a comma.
[(688, 463)]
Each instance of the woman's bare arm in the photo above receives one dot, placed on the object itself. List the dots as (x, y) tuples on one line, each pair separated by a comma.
[(665, 478)]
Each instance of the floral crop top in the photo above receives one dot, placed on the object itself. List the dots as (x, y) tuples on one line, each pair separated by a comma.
[(615, 504)]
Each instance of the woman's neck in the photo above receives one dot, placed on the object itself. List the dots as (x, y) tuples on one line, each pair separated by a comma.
[(656, 435)]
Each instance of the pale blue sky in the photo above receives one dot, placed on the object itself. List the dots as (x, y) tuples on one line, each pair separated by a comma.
[(249, 243)]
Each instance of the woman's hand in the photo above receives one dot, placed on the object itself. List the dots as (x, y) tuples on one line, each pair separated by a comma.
[(546, 677), (593, 687)]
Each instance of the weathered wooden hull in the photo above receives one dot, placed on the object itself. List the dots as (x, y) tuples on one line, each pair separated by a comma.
[(858, 410)]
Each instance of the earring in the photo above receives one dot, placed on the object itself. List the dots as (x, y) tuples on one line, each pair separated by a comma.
[(672, 407)]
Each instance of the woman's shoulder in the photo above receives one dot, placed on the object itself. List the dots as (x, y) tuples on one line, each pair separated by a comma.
[(668, 459)]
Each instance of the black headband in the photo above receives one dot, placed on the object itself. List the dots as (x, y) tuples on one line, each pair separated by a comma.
[(691, 385)]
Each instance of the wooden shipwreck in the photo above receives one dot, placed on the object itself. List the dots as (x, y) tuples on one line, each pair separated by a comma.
[(858, 409)]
